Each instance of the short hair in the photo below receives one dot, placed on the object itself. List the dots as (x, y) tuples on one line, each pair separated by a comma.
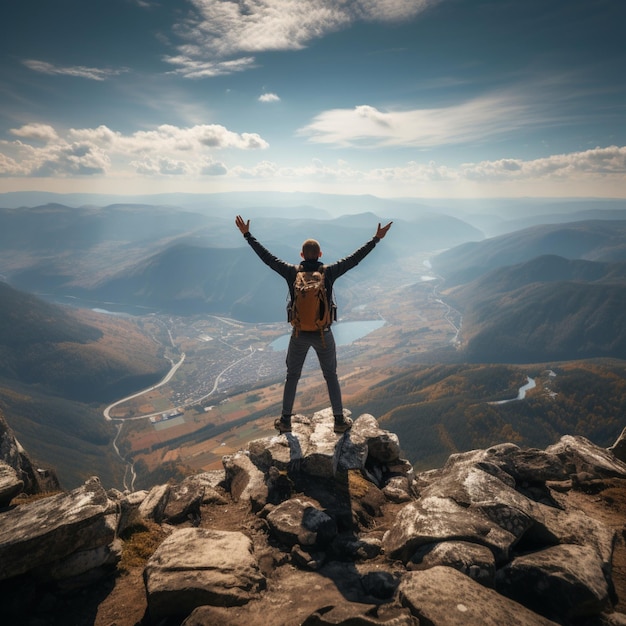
[(311, 249)]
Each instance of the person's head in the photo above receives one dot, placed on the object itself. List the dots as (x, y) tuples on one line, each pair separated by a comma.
[(311, 250)]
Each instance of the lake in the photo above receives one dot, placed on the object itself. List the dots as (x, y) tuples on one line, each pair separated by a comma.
[(345, 333)]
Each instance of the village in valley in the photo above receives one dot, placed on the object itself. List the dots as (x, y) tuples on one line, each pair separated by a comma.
[(226, 385)]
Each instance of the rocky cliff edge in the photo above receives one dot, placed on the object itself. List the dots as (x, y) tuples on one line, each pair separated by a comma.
[(315, 528)]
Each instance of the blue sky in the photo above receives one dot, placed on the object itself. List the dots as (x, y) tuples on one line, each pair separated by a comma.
[(396, 98)]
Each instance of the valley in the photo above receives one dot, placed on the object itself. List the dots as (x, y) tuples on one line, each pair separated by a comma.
[(227, 387)]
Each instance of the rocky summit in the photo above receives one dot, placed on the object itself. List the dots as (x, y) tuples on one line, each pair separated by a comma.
[(315, 528)]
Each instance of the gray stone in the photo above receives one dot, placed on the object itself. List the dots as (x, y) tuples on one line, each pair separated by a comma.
[(301, 521), (129, 510), (153, 504), (183, 502), (433, 519), (397, 489), (563, 582), (357, 614), (200, 566), (246, 482), (581, 456), (471, 559), (383, 446), (51, 529), (10, 484), (443, 596)]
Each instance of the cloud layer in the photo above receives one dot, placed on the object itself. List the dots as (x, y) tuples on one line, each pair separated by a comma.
[(221, 37), (169, 151)]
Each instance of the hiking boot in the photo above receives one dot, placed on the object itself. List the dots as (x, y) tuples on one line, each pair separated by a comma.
[(282, 424), (342, 424)]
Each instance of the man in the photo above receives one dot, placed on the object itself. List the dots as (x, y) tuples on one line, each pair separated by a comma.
[(322, 342)]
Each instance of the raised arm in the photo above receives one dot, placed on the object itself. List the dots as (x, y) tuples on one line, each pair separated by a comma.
[(381, 231), (244, 227), (286, 270)]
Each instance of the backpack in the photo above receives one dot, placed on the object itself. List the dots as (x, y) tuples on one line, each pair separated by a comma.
[(309, 310)]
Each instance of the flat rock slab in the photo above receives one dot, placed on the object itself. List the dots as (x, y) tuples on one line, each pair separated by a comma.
[(198, 566), (442, 596), (51, 529)]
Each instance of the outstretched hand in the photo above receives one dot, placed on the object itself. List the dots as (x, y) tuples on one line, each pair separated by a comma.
[(382, 230), (244, 227)]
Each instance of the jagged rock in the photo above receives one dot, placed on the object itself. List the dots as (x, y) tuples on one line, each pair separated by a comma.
[(433, 519), (198, 566), (443, 596), (211, 616), (52, 529), (618, 449), (36, 480), (572, 526), (357, 614), (581, 456), (382, 446), (315, 449), (10, 484), (357, 548), (208, 483), (153, 505), (398, 489), (84, 567), (563, 582), (183, 502), (301, 521), (245, 480), (471, 559), (129, 510)]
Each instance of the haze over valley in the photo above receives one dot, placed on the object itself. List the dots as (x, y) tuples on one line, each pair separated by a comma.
[(101, 301)]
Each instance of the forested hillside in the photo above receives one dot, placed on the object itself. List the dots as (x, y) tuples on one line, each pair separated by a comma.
[(440, 409), (57, 366)]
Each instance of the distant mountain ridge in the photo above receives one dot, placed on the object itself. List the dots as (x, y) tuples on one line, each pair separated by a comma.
[(595, 240), (184, 262)]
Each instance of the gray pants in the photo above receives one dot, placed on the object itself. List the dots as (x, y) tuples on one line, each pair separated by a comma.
[(327, 356)]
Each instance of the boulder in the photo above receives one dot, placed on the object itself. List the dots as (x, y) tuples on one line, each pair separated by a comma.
[(433, 519), (245, 480), (581, 456), (200, 566), (471, 559), (301, 521), (51, 529), (382, 446), (357, 614), (443, 596), (563, 583), (35, 479), (153, 505), (183, 502), (10, 484)]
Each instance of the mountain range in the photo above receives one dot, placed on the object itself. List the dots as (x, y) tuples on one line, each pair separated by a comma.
[(57, 366), (545, 294)]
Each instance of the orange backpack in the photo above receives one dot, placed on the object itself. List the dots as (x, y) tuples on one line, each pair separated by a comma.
[(309, 309)]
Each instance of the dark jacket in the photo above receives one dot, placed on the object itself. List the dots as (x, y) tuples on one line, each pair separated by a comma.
[(331, 272)]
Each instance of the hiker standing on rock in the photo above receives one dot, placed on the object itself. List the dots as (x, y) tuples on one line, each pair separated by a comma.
[(311, 312)]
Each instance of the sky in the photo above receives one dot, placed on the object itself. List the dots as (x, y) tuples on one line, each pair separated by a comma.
[(395, 98)]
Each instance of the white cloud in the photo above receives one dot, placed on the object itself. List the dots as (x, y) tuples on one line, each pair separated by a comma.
[(77, 71), (472, 121), (219, 30), (598, 162), (166, 150), (36, 132), (189, 67), (269, 97), (169, 151)]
